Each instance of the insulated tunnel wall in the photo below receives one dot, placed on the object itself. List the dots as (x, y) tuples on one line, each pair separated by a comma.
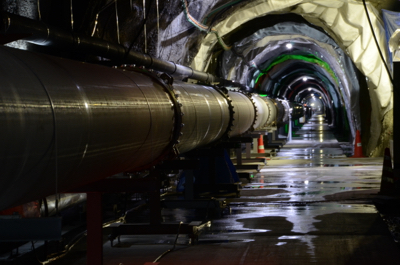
[(98, 121)]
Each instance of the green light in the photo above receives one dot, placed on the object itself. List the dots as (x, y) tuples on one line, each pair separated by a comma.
[(308, 58)]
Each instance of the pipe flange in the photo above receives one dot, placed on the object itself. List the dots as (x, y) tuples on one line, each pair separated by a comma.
[(287, 112), (269, 113), (224, 92), (248, 95), (178, 121), (166, 81)]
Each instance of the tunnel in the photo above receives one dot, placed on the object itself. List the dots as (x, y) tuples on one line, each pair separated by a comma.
[(268, 51), (93, 91)]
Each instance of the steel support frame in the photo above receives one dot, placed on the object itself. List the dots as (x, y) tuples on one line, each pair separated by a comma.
[(94, 191), (94, 220)]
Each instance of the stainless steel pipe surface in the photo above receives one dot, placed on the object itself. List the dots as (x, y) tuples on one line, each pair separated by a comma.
[(283, 110), (263, 112), (65, 123), (64, 201), (273, 112), (244, 113), (96, 121), (206, 115)]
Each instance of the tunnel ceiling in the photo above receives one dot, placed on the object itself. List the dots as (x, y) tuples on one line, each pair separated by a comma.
[(334, 36), (283, 48)]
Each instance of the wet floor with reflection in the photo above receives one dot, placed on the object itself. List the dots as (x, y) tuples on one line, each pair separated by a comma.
[(310, 204)]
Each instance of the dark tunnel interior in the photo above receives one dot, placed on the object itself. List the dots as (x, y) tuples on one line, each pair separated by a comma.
[(98, 94), (283, 67)]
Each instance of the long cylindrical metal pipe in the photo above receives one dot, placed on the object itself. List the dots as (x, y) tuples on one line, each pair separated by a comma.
[(37, 32), (66, 123), (283, 110), (206, 115)]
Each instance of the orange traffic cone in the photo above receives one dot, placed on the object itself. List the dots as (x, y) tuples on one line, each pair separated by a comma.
[(358, 146), (261, 145), (388, 178)]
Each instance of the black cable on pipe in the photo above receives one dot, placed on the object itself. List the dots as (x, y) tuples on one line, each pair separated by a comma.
[(139, 31), (377, 44)]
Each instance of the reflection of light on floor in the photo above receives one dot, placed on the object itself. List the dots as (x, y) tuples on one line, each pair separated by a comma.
[(304, 184), (19, 44), (306, 239)]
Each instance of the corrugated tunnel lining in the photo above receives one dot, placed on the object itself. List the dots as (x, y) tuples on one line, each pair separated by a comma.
[(343, 26)]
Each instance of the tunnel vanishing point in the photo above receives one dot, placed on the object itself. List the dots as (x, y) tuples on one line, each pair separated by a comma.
[(90, 89)]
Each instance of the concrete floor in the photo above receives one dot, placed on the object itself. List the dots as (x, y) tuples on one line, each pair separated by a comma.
[(310, 205)]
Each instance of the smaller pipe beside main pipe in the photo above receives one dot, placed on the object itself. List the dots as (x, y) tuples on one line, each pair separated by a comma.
[(46, 35), (66, 123)]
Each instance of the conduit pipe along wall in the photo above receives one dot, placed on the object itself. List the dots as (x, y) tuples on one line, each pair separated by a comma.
[(39, 33), (66, 123)]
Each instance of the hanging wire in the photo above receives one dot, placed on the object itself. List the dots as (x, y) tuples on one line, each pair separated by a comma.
[(117, 21), (158, 24), (144, 26), (139, 32), (377, 44), (225, 6), (72, 14), (95, 24), (203, 27), (39, 13), (97, 16)]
